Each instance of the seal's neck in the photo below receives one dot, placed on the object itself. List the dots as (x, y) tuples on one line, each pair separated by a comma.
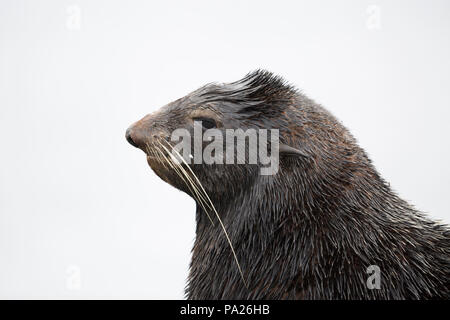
[(259, 222), (284, 226)]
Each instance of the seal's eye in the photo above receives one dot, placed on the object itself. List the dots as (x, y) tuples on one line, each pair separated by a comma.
[(207, 123)]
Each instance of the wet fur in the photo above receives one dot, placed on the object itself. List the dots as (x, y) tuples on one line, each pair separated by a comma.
[(311, 231)]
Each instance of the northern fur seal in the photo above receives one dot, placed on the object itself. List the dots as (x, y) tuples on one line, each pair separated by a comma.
[(311, 230)]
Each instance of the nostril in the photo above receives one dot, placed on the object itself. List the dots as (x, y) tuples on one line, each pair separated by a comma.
[(129, 139)]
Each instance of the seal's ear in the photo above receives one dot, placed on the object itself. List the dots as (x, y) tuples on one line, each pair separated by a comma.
[(290, 151)]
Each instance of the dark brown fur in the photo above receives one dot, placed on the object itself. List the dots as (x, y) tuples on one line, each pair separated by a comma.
[(310, 231)]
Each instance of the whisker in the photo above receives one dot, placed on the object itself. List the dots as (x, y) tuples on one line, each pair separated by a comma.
[(155, 152), (188, 181), (215, 211)]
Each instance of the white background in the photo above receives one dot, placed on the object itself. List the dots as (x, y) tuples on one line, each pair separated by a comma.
[(81, 213)]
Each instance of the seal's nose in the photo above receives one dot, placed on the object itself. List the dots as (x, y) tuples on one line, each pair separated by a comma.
[(130, 139), (142, 133)]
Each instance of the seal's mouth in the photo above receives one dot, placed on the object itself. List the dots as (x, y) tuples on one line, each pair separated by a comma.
[(157, 151), (156, 162), (152, 160)]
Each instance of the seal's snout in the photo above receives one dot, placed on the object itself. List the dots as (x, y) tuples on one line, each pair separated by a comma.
[(130, 139), (137, 137), (143, 133)]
